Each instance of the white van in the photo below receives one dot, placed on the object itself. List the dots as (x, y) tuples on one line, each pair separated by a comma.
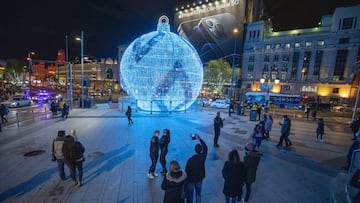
[(20, 100)]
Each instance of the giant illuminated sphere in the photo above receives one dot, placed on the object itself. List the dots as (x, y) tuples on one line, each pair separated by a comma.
[(161, 70)]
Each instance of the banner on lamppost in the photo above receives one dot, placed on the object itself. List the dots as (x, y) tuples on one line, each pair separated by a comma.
[(267, 86)]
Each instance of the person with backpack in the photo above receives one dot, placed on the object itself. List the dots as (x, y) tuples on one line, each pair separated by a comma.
[(73, 152), (57, 153)]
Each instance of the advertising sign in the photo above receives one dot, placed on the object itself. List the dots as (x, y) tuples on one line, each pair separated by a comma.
[(209, 27)]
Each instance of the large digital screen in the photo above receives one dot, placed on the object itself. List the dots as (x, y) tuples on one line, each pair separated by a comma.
[(209, 26)]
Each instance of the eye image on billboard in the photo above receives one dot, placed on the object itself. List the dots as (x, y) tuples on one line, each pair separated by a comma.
[(209, 27)]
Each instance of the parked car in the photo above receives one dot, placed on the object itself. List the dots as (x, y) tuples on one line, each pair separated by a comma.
[(220, 104), (343, 108), (18, 101)]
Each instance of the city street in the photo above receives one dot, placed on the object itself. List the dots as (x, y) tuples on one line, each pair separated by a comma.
[(117, 158)]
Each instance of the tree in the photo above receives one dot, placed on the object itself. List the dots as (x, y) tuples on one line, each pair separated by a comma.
[(216, 73), (14, 70)]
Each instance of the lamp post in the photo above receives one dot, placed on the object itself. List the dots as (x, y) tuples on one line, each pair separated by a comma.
[(82, 67), (30, 67), (235, 32)]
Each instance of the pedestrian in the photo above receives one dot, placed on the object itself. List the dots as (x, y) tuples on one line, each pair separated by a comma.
[(128, 114), (61, 105), (65, 110), (285, 130), (218, 123), (355, 182), (257, 135), (195, 170), (258, 111), (154, 154), (251, 162), (57, 153), (3, 112), (320, 130), (173, 184), (73, 152), (164, 142), (233, 173), (355, 126), (287, 139), (268, 126), (307, 111)]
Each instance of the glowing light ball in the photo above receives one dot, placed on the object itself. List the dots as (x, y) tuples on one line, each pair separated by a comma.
[(161, 70)]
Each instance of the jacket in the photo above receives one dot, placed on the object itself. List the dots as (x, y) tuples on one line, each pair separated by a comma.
[(57, 148), (320, 127), (154, 146), (268, 125), (251, 162), (218, 122), (234, 175), (173, 184), (164, 142), (285, 127), (195, 166), (73, 152)]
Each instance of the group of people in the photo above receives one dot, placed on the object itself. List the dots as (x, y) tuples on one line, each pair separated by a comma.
[(61, 106), (285, 132), (67, 150), (262, 130)]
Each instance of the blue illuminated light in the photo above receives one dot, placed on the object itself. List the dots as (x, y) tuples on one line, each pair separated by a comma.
[(161, 70)]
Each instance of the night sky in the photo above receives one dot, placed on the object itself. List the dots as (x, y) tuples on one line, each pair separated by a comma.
[(41, 25)]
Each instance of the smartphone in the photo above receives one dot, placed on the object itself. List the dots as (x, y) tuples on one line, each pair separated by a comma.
[(193, 137)]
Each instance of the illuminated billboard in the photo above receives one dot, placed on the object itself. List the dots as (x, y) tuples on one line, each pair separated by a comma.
[(209, 26)]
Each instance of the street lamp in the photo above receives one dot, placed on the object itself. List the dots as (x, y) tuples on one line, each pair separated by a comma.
[(82, 67), (30, 67), (235, 33)]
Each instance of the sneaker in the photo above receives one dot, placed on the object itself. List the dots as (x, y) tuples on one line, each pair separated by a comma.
[(78, 184), (74, 182), (151, 176), (321, 140), (155, 174)]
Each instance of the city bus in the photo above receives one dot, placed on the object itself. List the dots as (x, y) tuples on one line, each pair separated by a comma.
[(275, 99)]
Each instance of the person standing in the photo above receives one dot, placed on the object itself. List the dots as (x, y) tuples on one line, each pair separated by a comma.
[(154, 154), (173, 184), (57, 153), (218, 123), (285, 129), (258, 135), (164, 142), (195, 170), (233, 173), (251, 162), (128, 114), (268, 126), (79, 157), (287, 139), (320, 130)]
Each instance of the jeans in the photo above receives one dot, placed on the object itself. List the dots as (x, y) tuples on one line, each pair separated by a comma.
[(153, 164), (286, 138), (197, 187), (130, 120), (229, 199), (79, 167), (248, 191), (321, 135), (163, 159), (258, 141), (60, 163)]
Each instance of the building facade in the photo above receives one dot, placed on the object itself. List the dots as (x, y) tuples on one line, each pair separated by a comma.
[(317, 63)]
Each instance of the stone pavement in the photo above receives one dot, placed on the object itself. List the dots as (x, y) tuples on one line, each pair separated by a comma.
[(117, 158)]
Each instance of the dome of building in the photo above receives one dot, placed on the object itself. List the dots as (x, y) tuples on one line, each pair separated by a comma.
[(161, 70)]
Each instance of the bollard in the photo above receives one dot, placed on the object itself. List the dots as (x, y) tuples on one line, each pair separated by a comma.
[(294, 114), (151, 107), (170, 107), (17, 119), (32, 111), (45, 114)]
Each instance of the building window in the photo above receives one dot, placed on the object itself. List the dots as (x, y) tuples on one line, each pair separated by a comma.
[(249, 76), (287, 46), (277, 46), (335, 90), (295, 64), (286, 87), (251, 58), (340, 64), (266, 68), (274, 68), (284, 67), (317, 65), (268, 46), (308, 44), (250, 68), (248, 85), (344, 40), (306, 65), (276, 57), (109, 73), (320, 43), (267, 58), (258, 34), (285, 57), (297, 44), (283, 76), (347, 23)]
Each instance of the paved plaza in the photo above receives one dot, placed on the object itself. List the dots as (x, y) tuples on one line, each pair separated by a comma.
[(117, 158)]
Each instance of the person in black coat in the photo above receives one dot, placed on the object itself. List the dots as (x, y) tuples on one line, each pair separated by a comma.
[(218, 123), (164, 142), (154, 154), (355, 126), (234, 176), (128, 115), (320, 130), (251, 162), (173, 184), (195, 170)]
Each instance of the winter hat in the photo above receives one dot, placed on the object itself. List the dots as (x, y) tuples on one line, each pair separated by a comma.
[(250, 146), (73, 133)]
